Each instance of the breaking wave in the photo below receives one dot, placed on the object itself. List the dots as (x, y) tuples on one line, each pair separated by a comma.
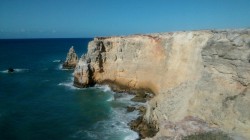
[(70, 85), (104, 88), (57, 61), (15, 70), (116, 127), (60, 67)]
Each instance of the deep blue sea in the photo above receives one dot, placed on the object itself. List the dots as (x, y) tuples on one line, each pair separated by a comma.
[(38, 101)]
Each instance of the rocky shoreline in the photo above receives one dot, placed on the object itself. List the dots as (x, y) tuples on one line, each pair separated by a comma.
[(200, 79), (139, 125), (190, 128)]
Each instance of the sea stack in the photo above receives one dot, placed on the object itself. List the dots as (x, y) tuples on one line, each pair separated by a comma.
[(71, 59), (10, 70), (201, 79)]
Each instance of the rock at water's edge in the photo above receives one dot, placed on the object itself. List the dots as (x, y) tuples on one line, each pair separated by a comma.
[(201, 74), (130, 108), (10, 70), (71, 59)]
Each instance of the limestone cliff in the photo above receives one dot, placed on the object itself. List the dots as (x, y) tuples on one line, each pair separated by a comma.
[(198, 77), (71, 59)]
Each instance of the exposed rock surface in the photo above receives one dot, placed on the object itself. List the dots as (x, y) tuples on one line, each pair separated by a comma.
[(71, 59), (197, 74), (140, 125), (130, 108)]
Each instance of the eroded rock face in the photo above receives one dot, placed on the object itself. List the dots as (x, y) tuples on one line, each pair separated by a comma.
[(83, 73), (202, 74), (71, 59)]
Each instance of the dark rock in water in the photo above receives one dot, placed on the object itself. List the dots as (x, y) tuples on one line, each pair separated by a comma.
[(142, 110), (67, 65), (143, 128), (10, 70), (140, 97), (130, 108)]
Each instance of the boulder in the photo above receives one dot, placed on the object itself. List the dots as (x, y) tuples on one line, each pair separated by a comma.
[(130, 108)]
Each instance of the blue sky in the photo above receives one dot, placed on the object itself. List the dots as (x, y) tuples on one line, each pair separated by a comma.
[(89, 18)]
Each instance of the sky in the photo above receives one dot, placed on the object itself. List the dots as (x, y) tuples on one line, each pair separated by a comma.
[(90, 18)]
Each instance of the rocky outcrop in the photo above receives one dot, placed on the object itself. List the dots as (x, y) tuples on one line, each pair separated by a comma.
[(10, 70), (71, 59), (198, 77)]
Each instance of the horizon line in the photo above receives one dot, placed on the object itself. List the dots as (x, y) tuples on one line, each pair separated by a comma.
[(210, 29)]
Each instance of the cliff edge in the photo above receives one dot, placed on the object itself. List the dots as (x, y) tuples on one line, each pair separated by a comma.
[(201, 79)]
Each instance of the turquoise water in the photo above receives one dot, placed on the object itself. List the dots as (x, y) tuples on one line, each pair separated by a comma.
[(38, 101)]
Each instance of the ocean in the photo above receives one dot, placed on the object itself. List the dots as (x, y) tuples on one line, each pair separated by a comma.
[(39, 102)]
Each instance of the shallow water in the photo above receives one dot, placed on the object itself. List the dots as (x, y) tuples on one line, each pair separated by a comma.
[(38, 100)]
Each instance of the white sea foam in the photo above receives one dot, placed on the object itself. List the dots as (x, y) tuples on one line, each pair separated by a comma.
[(91, 134), (60, 67), (132, 136), (120, 97), (56, 61), (19, 70), (123, 97), (116, 126), (126, 99), (111, 99), (104, 88), (118, 123), (4, 71), (70, 85)]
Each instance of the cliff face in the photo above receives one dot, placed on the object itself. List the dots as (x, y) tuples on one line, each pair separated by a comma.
[(71, 59), (196, 75)]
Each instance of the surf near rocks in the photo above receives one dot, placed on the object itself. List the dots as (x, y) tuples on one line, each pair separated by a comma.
[(202, 74)]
